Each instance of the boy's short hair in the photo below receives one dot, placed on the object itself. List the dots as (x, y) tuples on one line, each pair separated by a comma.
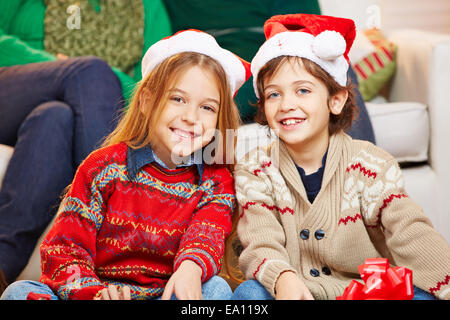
[(342, 121)]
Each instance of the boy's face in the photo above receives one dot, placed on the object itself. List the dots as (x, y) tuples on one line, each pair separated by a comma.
[(189, 117), (296, 105)]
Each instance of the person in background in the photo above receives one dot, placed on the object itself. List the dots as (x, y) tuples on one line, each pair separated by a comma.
[(66, 70)]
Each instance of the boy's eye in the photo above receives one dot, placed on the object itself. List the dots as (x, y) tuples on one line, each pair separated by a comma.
[(273, 95)]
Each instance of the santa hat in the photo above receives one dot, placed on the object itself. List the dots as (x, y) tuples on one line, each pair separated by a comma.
[(237, 69), (324, 40)]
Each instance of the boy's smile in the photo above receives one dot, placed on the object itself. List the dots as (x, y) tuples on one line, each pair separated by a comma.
[(291, 123)]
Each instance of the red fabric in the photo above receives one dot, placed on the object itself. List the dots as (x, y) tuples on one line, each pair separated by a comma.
[(38, 296), (113, 229)]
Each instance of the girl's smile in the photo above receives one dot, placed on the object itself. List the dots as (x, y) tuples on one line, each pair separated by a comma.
[(185, 135)]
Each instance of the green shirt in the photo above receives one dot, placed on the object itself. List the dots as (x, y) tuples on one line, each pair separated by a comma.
[(22, 35)]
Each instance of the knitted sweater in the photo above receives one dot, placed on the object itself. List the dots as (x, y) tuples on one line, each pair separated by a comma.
[(114, 227), (22, 35), (362, 211)]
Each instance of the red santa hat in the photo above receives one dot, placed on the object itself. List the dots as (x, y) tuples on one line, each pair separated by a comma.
[(324, 40), (237, 69)]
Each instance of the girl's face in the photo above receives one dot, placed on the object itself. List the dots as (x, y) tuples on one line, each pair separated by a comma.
[(189, 117), (296, 106)]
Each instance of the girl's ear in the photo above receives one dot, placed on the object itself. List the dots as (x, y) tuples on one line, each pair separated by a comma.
[(337, 102), (143, 97)]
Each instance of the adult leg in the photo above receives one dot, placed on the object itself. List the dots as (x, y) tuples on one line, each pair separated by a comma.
[(19, 290), (86, 84), (40, 168), (361, 127)]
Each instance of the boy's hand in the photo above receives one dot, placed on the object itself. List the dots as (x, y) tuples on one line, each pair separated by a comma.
[(291, 287), (112, 293), (186, 282)]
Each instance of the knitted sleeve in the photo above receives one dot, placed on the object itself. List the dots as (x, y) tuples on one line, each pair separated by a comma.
[(14, 51), (410, 236), (204, 240), (68, 252), (259, 229)]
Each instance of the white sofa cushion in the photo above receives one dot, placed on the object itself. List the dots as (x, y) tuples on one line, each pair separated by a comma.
[(402, 129)]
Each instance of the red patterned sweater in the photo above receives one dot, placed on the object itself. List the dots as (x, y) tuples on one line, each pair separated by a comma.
[(113, 228)]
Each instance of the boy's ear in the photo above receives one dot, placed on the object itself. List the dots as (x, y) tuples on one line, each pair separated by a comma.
[(337, 102)]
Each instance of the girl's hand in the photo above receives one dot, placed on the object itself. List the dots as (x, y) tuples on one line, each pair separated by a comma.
[(186, 282), (291, 287), (112, 293)]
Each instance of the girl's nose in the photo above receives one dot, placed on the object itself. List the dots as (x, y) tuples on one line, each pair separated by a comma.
[(190, 115)]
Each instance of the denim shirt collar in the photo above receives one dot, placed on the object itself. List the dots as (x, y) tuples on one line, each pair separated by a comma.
[(137, 158)]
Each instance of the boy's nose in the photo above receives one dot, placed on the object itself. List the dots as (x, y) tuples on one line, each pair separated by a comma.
[(288, 103)]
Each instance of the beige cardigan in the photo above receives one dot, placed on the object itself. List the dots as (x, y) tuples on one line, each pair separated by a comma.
[(362, 211)]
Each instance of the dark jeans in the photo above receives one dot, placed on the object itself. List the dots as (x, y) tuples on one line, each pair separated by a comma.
[(54, 114), (362, 126)]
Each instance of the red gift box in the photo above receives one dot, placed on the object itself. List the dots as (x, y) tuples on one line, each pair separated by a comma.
[(381, 282)]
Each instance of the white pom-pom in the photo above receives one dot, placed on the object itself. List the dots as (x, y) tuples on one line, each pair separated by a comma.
[(329, 45)]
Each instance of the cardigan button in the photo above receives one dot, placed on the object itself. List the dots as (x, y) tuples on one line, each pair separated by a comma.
[(314, 272), (319, 234), (304, 234)]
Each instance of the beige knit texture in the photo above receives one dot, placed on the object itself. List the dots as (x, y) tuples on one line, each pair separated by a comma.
[(362, 208)]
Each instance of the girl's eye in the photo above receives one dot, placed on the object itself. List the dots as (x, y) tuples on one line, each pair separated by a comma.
[(177, 99), (303, 91), (208, 108)]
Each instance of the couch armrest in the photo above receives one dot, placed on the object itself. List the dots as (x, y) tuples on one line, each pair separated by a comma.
[(423, 75)]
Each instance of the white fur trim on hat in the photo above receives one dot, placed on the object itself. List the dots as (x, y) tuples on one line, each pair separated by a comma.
[(305, 45), (195, 41), (329, 45)]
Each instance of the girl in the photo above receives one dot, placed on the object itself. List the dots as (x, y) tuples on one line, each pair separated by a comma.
[(316, 204), (136, 222)]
